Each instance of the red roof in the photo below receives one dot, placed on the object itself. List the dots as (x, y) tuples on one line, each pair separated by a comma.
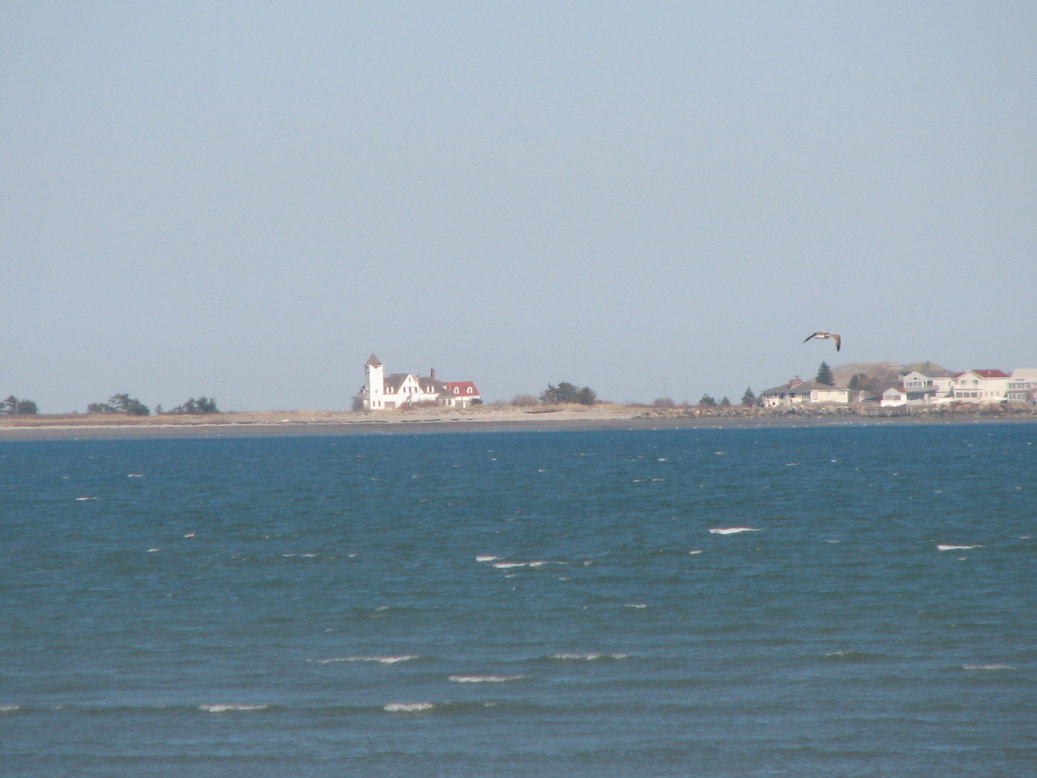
[(462, 388), (986, 374)]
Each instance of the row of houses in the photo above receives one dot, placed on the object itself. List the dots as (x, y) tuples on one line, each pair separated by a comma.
[(382, 392), (972, 386)]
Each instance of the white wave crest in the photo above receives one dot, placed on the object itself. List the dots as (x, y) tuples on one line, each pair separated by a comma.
[(230, 708), (9, 708), (486, 678), (586, 657), (486, 557), (385, 660), (731, 530), (511, 565), (409, 707), (950, 547), (987, 667)]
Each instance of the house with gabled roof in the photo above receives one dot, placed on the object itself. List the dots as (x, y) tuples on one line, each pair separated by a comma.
[(894, 397), (383, 392), (798, 392), (1022, 385), (927, 388), (980, 386)]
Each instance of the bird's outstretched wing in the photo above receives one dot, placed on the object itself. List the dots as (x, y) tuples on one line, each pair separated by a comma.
[(826, 335)]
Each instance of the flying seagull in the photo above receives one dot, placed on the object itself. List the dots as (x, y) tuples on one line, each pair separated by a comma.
[(822, 335)]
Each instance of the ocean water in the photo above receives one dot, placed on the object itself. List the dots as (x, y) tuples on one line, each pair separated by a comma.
[(837, 601)]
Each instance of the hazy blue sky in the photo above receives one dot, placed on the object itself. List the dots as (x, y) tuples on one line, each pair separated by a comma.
[(245, 199)]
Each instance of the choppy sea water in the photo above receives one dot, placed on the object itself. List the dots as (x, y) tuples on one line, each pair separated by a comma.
[(837, 601)]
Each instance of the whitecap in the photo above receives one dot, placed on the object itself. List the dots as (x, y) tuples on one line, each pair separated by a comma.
[(408, 707), (486, 678), (637, 605), (384, 660), (586, 657), (987, 667), (695, 551), (135, 475), (9, 708), (486, 557), (731, 530), (951, 547), (85, 499), (230, 708), (153, 549)]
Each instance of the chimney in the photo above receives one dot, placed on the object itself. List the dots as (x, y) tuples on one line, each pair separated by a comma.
[(432, 373), (794, 381)]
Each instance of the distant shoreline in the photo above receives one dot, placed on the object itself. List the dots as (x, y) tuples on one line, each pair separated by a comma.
[(480, 419)]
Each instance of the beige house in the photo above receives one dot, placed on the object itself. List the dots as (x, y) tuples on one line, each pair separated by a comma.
[(798, 392)]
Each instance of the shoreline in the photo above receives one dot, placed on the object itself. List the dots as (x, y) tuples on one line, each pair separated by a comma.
[(482, 419)]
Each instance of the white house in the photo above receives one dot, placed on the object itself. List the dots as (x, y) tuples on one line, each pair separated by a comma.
[(894, 397), (1022, 385), (402, 390), (923, 389), (797, 392), (980, 386)]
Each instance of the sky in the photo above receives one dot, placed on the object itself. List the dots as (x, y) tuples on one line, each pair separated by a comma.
[(244, 200)]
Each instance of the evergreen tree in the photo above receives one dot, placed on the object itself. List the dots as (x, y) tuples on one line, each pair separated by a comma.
[(18, 407), (824, 375), (201, 405), (568, 393), (120, 403), (748, 398)]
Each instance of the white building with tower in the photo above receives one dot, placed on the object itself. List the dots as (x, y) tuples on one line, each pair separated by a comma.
[(383, 392)]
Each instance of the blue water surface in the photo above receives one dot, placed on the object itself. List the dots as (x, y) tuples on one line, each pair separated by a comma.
[(836, 601)]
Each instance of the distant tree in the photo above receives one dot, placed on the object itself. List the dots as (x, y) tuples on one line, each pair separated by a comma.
[(824, 375), (875, 383), (725, 403), (586, 396), (523, 400), (748, 398), (707, 401), (664, 402), (568, 393), (12, 406), (199, 406), (120, 403)]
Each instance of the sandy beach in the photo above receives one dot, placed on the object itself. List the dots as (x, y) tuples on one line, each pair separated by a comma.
[(480, 418)]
